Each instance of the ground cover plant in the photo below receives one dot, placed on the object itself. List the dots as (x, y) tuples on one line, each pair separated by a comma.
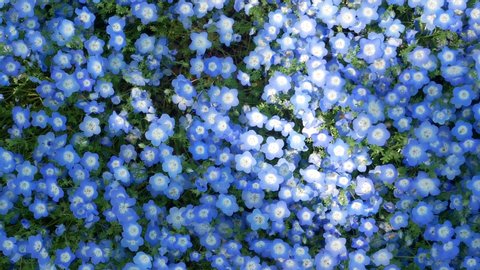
[(241, 134)]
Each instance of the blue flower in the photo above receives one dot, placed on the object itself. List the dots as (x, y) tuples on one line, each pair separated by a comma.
[(382, 257), (115, 25), (143, 260), (426, 185), (21, 117), (145, 44), (338, 151), (244, 78), (67, 156), (257, 220), (378, 135), (273, 148), (84, 17), (399, 220), (66, 28), (347, 17), (146, 12), (463, 96), (364, 187), (253, 60), (117, 41), (200, 42), (94, 45), (90, 126), (370, 50), (462, 130), (25, 8), (415, 153), (227, 204), (64, 257), (305, 26), (157, 133), (172, 165), (358, 259), (39, 208), (324, 260), (245, 162)]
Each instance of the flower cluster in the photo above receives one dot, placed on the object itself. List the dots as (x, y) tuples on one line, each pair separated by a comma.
[(240, 134)]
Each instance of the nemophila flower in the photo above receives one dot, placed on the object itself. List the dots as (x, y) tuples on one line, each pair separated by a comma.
[(364, 187), (39, 208), (446, 20), (367, 13), (471, 262), (447, 56), (257, 220), (325, 261), (382, 257), (378, 135), (256, 118), (338, 151), (227, 204), (67, 156), (66, 28), (94, 45), (415, 153), (368, 227), (157, 133), (20, 49), (422, 214), (463, 96), (305, 26), (8, 245), (115, 25), (245, 162), (228, 67), (362, 124), (444, 232), (340, 43), (250, 140), (419, 56), (370, 50), (143, 260), (63, 60), (146, 12), (84, 17), (462, 130), (300, 101), (25, 8), (253, 60), (213, 66), (337, 216), (474, 185), (117, 41), (346, 17), (58, 122), (172, 165), (399, 220), (21, 117), (68, 84), (90, 126), (456, 202), (425, 185), (64, 257), (358, 259), (200, 42), (273, 148), (145, 44), (96, 66), (426, 132)]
